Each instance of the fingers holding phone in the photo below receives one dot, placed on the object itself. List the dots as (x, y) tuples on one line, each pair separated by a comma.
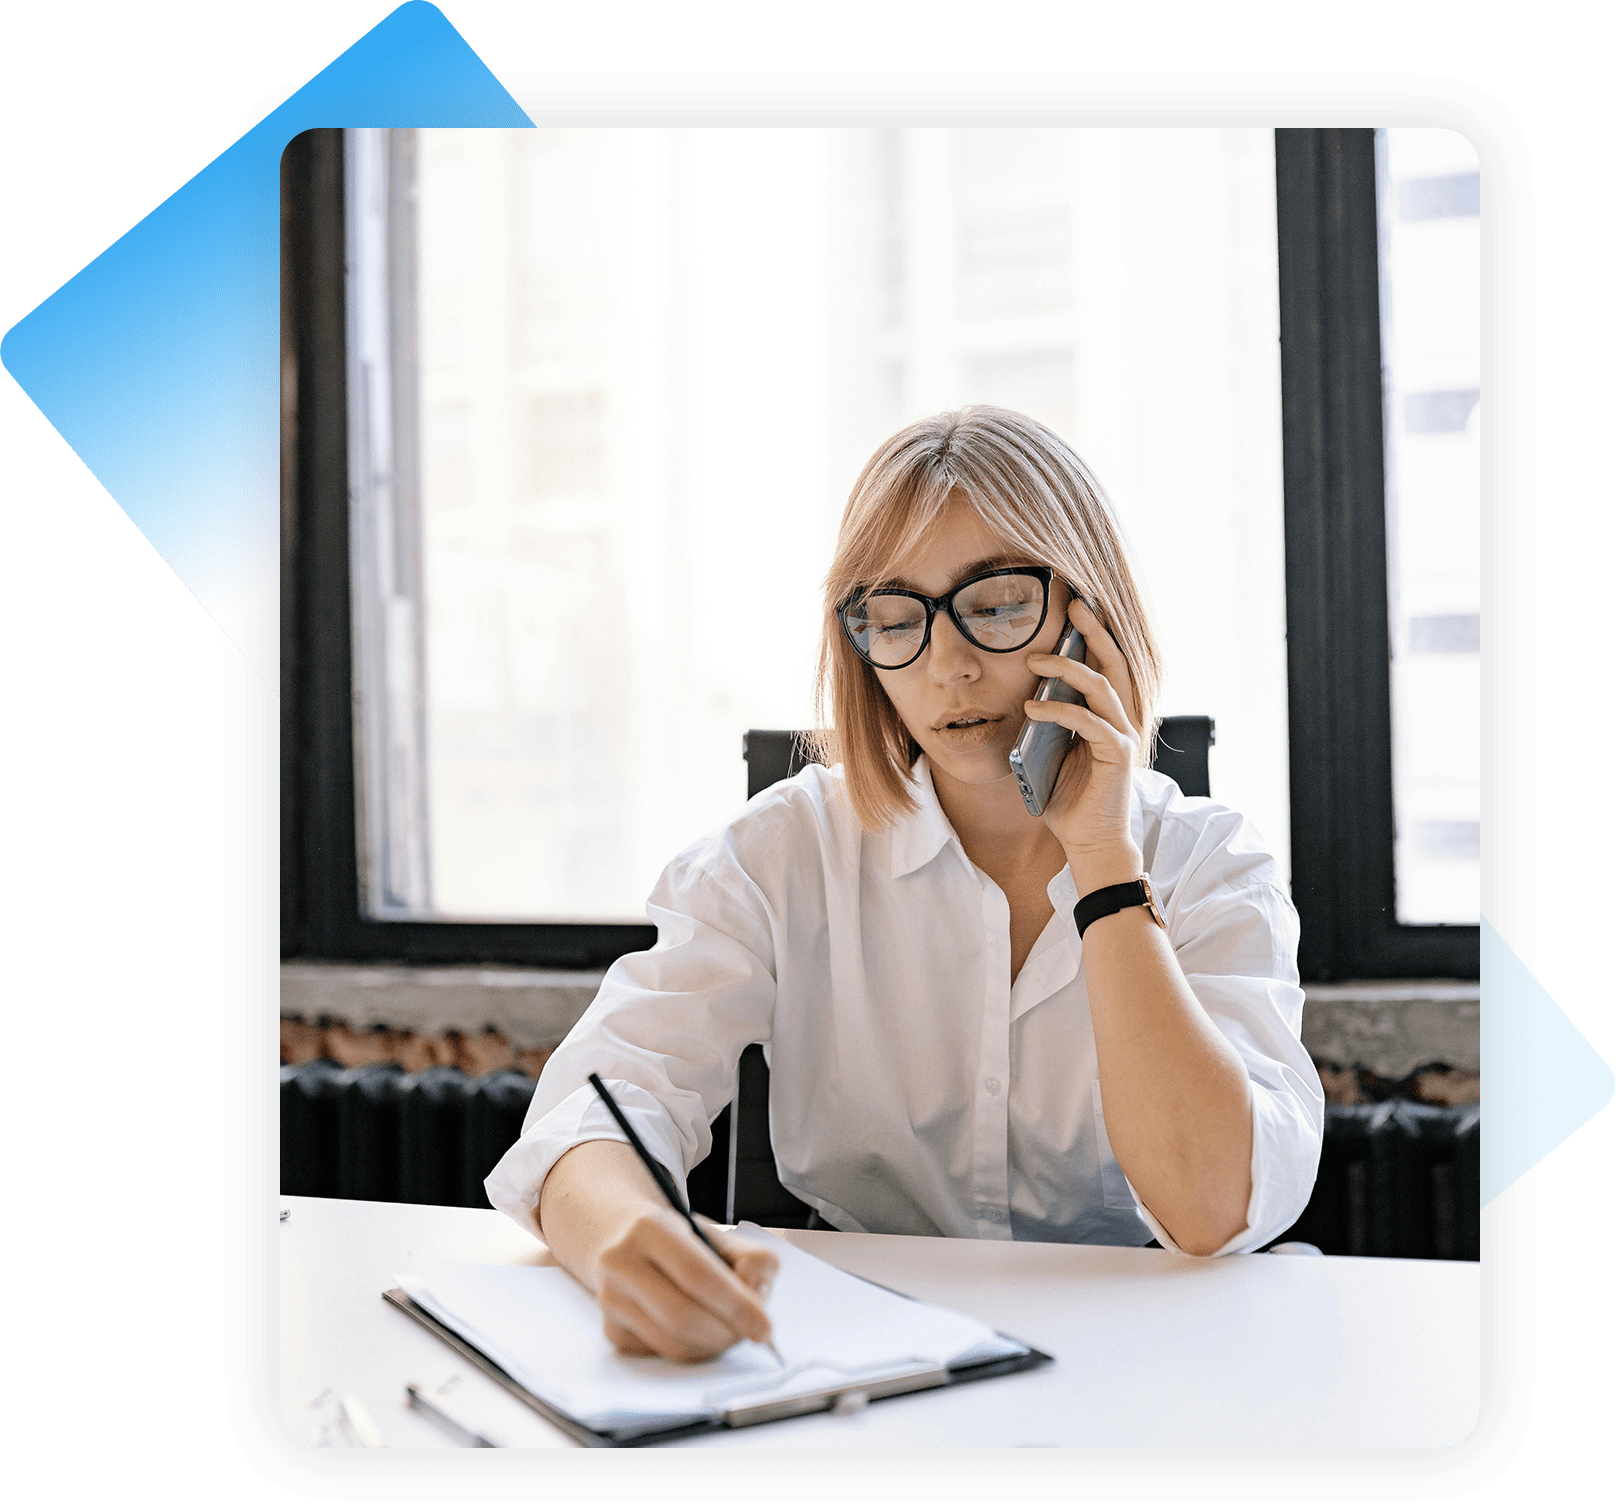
[(1089, 802), (1105, 657)]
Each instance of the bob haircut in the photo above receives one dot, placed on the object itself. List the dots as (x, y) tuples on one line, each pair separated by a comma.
[(1034, 493)]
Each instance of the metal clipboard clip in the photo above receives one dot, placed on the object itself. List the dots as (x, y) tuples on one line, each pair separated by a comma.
[(846, 1395)]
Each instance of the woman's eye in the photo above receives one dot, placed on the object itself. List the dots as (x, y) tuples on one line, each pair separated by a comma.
[(998, 612)]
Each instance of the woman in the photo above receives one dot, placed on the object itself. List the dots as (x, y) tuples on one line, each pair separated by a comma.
[(950, 1053)]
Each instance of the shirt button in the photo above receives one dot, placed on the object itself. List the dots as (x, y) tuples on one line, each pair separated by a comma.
[(992, 1085), (993, 1215)]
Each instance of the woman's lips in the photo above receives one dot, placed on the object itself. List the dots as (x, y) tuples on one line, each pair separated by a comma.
[(968, 737)]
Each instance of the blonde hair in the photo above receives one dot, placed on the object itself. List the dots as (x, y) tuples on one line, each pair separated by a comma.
[(1036, 495)]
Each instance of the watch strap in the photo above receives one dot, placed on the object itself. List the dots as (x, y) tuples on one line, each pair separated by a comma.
[(1110, 900)]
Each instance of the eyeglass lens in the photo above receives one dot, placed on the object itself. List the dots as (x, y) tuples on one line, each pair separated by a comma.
[(998, 613)]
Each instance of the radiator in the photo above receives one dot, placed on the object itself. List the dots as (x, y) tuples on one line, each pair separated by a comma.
[(381, 1135), (1396, 1179)]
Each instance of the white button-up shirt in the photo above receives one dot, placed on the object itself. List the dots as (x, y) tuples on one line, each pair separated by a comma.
[(914, 1088)]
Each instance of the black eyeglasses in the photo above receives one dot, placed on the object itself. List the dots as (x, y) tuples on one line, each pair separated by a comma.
[(1000, 610)]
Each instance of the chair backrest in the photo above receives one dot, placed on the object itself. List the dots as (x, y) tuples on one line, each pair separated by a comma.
[(1182, 743), (771, 756)]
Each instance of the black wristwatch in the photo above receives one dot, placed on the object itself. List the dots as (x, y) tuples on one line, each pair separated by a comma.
[(1110, 900)]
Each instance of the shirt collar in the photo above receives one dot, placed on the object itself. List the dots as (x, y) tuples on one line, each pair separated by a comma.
[(924, 830)]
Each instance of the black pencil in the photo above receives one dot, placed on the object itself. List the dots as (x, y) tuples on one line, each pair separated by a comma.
[(663, 1181)]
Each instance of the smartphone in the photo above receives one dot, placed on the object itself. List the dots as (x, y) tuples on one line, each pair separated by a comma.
[(1042, 745)]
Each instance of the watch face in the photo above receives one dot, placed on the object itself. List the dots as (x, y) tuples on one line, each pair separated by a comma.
[(1150, 902)]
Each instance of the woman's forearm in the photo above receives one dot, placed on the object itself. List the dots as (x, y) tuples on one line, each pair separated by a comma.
[(1176, 1095), (590, 1194)]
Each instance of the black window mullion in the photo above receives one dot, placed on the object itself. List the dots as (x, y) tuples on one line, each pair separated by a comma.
[(314, 530), (1337, 621)]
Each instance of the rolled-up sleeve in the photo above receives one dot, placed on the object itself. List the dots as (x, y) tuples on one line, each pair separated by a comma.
[(664, 1033), (1235, 934)]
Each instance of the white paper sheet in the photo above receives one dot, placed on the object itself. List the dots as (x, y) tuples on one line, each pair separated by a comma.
[(544, 1330)]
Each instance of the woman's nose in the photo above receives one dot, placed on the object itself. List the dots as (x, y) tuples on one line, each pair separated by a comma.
[(950, 657)]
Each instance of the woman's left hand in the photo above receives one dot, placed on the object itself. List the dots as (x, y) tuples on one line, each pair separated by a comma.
[(1090, 809)]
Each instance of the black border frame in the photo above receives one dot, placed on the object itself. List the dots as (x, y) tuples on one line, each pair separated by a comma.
[(1316, 104)]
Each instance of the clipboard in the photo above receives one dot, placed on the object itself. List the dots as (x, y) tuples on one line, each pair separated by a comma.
[(742, 1414)]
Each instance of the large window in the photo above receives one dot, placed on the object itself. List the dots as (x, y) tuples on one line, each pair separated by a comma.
[(555, 397), (643, 367)]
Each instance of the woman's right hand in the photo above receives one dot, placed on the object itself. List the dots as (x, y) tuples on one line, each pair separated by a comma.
[(664, 1293), (661, 1291)]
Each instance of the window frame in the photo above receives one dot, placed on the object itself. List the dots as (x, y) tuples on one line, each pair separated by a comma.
[(1339, 675), (321, 917), (1338, 629)]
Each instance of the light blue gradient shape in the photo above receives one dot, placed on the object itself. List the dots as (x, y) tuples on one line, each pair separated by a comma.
[(1541, 1079), (159, 363)]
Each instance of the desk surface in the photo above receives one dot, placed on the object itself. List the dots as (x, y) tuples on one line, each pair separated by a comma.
[(1151, 1349)]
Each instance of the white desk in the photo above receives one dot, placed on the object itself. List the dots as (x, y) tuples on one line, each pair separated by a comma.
[(1151, 1350)]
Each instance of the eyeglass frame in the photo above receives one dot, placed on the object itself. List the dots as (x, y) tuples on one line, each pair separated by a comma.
[(945, 601)]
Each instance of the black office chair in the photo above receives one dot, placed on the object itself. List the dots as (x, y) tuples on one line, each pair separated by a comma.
[(739, 1178), (1182, 744)]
